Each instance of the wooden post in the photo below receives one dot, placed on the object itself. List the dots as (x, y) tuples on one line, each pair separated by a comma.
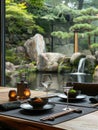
[(75, 41)]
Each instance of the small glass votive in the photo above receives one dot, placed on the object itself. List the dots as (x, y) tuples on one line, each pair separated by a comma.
[(12, 95), (27, 93)]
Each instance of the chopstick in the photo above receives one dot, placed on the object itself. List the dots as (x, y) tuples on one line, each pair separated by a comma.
[(94, 105), (53, 116)]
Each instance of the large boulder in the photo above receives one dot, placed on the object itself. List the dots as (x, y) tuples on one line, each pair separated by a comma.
[(35, 46), (75, 58), (49, 61), (90, 64)]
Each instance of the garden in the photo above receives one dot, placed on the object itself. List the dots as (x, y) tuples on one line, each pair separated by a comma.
[(67, 28)]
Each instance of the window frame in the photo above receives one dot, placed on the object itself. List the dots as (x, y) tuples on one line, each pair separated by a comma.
[(2, 43)]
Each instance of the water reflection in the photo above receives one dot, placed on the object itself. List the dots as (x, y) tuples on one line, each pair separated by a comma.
[(82, 77), (34, 80)]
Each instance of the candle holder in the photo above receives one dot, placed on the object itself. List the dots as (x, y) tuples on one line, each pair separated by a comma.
[(21, 86), (12, 95), (27, 93)]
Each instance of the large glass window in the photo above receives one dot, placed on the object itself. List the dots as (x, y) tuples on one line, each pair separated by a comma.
[(64, 25)]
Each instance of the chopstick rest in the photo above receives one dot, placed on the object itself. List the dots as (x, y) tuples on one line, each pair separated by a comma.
[(53, 116)]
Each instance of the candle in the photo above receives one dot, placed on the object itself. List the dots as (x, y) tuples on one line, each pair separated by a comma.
[(27, 93), (12, 95)]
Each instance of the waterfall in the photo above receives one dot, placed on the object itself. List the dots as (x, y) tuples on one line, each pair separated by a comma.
[(81, 65), (80, 72)]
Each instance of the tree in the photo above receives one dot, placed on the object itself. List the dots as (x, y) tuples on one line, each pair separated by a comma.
[(85, 23), (19, 21), (74, 4), (80, 4), (60, 14), (34, 3), (65, 15)]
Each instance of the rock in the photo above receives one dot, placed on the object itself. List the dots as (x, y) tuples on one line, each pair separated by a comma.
[(65, 65), (10, 68), (90, 64), (49, 61), (96, 56), (35, 46), (20, 49), (95, 75), (91, 59), (75, 58)]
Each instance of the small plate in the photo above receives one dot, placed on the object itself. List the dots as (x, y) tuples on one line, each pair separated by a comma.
[(78, 97), (28, 107)]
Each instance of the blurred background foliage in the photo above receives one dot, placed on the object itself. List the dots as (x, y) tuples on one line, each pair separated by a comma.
[(25, 18)]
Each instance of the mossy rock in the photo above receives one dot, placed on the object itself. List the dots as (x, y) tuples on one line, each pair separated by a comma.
[(66, 69), (65, 66)]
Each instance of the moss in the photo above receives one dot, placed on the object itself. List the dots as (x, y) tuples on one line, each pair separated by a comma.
[(89, 67), (64, 65), (66, 69), (72, 91)]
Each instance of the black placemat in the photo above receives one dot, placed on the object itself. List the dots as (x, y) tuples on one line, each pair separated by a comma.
[(35, 116), (83, 102)]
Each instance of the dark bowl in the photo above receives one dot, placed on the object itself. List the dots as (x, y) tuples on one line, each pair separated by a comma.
[(38, 102), (72, 94)]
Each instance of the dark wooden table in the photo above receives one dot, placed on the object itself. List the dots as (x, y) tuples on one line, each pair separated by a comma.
[(86, 122)]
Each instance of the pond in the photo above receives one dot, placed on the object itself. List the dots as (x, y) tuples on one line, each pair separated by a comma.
[(34, 80)]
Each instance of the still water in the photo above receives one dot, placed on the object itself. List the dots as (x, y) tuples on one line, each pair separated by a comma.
[(34, 80)]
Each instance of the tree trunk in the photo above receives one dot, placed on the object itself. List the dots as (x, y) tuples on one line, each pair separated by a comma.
[(80, 4), (76, 42), (89, 40)]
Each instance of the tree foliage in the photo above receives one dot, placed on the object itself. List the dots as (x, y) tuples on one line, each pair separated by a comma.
[(62, 35), (17, 16), (18, 20), (36, 3), (82, 21)]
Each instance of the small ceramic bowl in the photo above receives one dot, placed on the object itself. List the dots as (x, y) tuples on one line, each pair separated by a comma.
[(38, 102), (72, 94)]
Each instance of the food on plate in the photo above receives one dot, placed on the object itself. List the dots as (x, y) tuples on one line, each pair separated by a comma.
[(38, 101), (72, 93)]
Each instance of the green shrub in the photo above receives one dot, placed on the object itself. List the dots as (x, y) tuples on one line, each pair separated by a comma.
[(14, 58)]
